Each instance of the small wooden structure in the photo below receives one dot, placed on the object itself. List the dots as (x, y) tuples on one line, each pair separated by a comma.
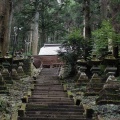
[(48, 56)]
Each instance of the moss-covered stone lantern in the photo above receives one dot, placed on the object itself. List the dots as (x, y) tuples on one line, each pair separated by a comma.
[(83, 78), (3, 88), (95, 84), (111, 89)]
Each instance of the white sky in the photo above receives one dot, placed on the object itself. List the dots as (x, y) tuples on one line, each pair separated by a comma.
[(49, 50), (59, 1)]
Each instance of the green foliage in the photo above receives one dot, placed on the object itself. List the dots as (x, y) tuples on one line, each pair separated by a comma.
[(74, 47), (51, 22), (101, 37), (4, 104), (75, 37), (76, 41), (115, 1)]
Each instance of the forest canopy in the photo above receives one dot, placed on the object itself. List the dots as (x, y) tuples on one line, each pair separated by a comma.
[(31, 23)]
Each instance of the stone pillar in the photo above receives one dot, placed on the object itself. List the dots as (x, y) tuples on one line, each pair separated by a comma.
[(3, 88), (27, 66), (110, 92), (20, 70), (6, 76)]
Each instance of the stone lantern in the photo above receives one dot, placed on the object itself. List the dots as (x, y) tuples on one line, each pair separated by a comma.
[(81, 63), (83, 78), (110, 92), (95, 84), (3, 88), (0, 54), (1, 60), (95, 62), (111, 89), (20, 70), (6, 76), (110, 61)]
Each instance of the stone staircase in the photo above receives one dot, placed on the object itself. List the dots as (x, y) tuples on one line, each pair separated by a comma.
[(50, 102)]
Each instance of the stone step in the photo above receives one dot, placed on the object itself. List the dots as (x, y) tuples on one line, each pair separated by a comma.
[(56, 116), (48, 84), (2, 83), (4, 92), (50, 88), (38, 94), (55, 106), (41, 118), (3, 87), (51, 103), (52, 112), (55, 98), (48, 100), (46, 90), (48, 95), (52, 108)]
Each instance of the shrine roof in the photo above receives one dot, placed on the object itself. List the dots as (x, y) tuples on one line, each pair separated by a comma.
[(50, 49)]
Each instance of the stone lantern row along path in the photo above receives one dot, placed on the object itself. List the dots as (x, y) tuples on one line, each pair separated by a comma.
[(49, 101)]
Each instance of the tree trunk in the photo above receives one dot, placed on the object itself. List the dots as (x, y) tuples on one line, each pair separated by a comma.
[(10, 24), (104, 9), (43, 37), (31, 38), (2, 10), (87, 29), (35, 34), (43, 34), (114, 13), (5, 25)]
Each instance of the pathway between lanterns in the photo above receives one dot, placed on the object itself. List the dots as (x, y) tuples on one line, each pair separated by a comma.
[(49, 101)]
